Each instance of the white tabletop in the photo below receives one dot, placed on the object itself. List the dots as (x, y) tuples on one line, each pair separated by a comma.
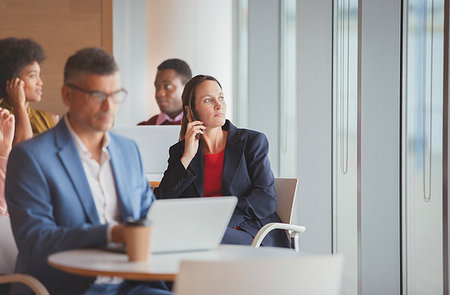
[(94, 262)]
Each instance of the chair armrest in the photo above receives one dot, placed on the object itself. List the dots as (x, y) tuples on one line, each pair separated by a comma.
[(295, 230), (31, 282)]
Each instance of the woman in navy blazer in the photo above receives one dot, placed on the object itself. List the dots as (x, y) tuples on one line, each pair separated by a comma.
[(246, 171)]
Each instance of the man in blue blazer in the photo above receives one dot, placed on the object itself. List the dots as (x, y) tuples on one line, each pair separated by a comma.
[(73, 186)]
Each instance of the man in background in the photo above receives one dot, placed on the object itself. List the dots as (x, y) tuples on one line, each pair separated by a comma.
[(170, 79)]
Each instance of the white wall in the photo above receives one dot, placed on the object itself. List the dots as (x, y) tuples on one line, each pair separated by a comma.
[(263, 72), (314, 74), (380, 136), (130, 51), (146, 32), (197, 31)]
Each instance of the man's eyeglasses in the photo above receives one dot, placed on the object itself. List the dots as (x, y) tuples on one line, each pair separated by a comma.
[(99, 96)]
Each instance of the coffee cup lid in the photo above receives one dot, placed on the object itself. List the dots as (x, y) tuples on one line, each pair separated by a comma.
[(140, 222)]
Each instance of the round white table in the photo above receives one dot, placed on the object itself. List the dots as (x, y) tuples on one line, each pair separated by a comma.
[(95, 262)]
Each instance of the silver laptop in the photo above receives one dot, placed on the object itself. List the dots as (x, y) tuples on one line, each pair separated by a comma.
[(189, 224), (154, 143)]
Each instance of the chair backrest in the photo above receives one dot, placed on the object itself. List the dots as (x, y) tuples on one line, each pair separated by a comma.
[(285, 189), (8, 248), (318, 275), (8, 256)]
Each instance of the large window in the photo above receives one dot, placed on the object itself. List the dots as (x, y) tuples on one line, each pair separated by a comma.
[(288, 90)]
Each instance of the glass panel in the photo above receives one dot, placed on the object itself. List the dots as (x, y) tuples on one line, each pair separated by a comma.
[(422, 141), (345, 148), (288, 101), (241, 63)]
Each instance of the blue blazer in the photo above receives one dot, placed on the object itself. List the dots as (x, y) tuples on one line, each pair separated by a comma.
[(246, 174), (51, 204)]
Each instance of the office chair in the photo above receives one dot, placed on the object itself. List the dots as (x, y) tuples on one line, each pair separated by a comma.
[(8, 256), (285, 189), (318, 275)]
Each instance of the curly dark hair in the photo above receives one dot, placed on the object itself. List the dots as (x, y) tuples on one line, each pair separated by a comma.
[(180, 66), (15, 54), (91, 60)]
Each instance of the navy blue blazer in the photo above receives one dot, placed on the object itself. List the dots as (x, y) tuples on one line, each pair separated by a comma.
[(51, 204), (246, 175)]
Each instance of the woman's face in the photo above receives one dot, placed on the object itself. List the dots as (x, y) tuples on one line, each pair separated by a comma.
[(30, 74), (210, 104)]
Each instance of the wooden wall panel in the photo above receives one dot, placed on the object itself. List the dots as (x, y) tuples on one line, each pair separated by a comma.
[(61, 27)]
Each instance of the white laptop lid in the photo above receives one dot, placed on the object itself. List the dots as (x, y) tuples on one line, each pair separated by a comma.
[(189, 224), (153, 142)]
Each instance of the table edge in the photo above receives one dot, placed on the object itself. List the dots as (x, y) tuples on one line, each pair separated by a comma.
[(125, 275)]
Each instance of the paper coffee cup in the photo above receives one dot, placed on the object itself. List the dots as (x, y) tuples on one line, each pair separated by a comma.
[(138, 239)]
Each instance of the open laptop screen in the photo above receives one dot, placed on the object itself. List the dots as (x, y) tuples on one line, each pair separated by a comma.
[(153, 142), (189, 224)]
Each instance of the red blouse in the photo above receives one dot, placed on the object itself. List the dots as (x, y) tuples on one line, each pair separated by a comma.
[(213, 167)]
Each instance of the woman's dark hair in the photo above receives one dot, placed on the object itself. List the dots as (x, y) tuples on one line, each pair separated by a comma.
[(188, 98), (15, 54)]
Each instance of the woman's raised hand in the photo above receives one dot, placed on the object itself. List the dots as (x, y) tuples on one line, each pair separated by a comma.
[(191, 140), (6, 132), (15, 92)]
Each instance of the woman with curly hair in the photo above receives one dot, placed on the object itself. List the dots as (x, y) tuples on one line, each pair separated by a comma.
[(20, 83)]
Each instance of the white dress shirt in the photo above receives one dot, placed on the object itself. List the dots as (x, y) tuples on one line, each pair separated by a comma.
[(103, 188)]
